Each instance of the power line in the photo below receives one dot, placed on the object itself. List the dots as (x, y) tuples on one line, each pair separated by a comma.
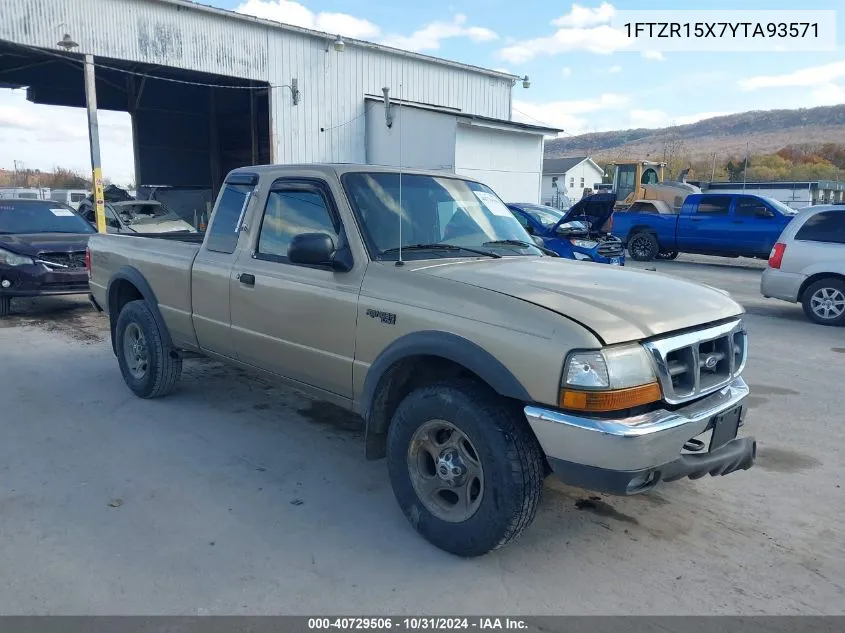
[(538, 120), (126, 71)]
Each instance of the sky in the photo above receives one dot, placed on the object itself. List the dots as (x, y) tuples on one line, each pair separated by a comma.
[(582, 79)]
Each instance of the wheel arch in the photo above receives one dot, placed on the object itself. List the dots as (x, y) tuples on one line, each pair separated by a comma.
[(809, 281), (128, 284), (417, 359)]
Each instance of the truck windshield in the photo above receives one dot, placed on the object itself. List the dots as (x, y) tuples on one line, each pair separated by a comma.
[(547, 216), (780, 206), (39, 216), (143, 212), (433, 210)]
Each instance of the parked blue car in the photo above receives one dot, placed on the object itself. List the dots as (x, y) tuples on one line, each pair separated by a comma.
[(725, 224), (581, 233)]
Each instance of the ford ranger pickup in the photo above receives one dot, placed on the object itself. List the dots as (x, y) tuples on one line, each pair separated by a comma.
[(478, 364)]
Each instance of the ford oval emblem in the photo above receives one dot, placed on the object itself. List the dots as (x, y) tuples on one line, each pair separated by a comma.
[(710, 362)]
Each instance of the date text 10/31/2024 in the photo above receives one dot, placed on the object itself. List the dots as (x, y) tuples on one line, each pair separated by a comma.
[(418, 623)]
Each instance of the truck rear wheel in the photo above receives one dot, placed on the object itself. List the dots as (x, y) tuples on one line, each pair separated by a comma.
[(824, 301), (465, 468), (643, 246), (5, 306), (149, 369)]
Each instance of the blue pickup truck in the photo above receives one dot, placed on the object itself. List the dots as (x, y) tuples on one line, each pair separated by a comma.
[(726, 224)]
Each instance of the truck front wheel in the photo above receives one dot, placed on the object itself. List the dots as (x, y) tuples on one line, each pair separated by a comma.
[(643, 246), (465, 467), (149, 369)]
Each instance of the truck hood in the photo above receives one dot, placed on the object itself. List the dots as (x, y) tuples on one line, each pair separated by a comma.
[(618, 305), (33, 244)]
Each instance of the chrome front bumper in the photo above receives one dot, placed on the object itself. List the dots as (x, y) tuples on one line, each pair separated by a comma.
[(639, 450)]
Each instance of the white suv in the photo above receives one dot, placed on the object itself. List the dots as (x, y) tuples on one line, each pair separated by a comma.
[(807, 264)]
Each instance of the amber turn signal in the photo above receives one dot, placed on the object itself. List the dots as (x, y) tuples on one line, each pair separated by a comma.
[(614, 400)]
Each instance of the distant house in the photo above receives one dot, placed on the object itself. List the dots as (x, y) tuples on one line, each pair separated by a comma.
[(564, 179)]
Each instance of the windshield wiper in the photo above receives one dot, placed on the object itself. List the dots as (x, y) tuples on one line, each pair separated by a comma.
[(444, 247), (509, 243)]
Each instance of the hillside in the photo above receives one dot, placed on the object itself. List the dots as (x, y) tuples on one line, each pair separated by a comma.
[(766, 131)]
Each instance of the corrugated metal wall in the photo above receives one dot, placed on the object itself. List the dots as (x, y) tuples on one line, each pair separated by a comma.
[(329, 122)]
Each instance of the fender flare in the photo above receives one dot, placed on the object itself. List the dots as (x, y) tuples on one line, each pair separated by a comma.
[(133, 276), (443, 345)]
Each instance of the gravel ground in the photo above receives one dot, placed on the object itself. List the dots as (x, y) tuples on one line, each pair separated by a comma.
[(235, 497)]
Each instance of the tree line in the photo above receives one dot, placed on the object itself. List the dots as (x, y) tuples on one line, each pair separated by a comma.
[(59, 178)]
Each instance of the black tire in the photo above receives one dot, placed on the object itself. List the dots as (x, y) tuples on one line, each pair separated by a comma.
[(668, 255), (5, 306), (163, 366), (834, 288), (643, 246), (509, 454)]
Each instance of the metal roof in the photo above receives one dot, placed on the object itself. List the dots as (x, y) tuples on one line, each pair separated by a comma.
[(196, 6), (561, 165), (466, 115)]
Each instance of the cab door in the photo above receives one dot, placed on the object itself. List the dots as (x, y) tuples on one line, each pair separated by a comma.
[(295, 320), (211, 275)]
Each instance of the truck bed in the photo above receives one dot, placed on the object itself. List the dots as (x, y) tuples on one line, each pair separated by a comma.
[(164, 261)]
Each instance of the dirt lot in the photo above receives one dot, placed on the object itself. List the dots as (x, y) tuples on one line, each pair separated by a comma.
[(232, 496)]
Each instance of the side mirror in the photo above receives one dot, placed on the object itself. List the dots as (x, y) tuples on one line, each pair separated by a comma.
[(315, 249)]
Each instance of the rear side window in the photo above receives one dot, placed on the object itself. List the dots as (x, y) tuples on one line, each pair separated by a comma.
[(222, 235), (713, 205), (828, 226)]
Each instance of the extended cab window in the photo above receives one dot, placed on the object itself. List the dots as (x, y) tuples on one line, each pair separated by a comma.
[(712, 205), (291, 212), (223, 233), (828, 226)]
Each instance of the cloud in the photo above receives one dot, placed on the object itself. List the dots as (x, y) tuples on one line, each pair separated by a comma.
[(568, 114), (581, 29), (426, 38), (566, 71), (812, 76), (430, 36), (828, 94), (580, 17), (43, 137), (615, 69), (654, 55), (297, 14)]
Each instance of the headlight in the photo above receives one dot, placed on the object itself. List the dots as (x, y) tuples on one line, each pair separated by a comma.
[(582, 257), (583, 243), (13, 259), (609, 380)]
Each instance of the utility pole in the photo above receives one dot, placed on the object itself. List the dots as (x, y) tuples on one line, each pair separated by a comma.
[(94, 140), (745, 169), (713, 171)]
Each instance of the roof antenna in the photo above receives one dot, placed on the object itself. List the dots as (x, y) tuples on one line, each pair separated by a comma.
[(399, 262)]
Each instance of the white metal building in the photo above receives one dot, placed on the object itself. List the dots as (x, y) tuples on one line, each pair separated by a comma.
[(304, 101)]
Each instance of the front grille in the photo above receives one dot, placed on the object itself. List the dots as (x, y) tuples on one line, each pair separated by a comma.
[(74, 260), (697, 363), (610, 249)]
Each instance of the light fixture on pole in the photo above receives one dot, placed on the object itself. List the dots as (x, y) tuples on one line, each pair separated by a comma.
[(526, 82), (67, 43), (339, 44)]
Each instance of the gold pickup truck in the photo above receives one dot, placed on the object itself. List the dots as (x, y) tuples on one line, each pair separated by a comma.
[(478, 364)]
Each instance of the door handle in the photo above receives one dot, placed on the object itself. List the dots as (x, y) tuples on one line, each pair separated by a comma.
[(739, 222), (247, 279)]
